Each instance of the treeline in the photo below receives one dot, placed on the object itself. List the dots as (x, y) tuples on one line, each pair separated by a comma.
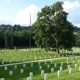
[(11, 36)]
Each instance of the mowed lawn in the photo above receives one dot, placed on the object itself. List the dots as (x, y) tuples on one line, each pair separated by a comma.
[(17, 75), (12, 56)]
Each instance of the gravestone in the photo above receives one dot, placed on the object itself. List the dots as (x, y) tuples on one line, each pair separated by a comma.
[(31, 74), (42, 72), (70, 70), (48, 66), (68, 66), (21, 70), (29, 78), (5, 68), (61, 68), (2, 79), (40, 67), (10, 72), (52, 70), (31, 64), (24, 65), (46, 76), (15, 66), (59, 72)]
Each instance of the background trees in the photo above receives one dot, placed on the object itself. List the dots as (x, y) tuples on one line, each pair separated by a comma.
[(52, 30)]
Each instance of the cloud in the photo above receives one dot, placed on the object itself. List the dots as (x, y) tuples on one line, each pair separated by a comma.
[(23, 16), (73, 9), (8, 1)]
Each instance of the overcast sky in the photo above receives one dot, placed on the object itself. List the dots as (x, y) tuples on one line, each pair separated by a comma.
[(18, 11)]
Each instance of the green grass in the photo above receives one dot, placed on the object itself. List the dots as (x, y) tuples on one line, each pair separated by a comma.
[(22, 56), (13, 56), (37, 76)]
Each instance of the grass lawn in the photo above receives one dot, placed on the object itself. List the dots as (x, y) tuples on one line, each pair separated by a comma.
[(10, 56)]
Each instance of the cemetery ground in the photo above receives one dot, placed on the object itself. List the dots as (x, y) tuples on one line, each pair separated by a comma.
[(39, 65)]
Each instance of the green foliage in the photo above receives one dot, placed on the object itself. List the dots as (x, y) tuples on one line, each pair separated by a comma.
[(78, 38), (52, 30)]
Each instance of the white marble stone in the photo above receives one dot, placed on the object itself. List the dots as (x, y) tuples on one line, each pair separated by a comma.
[(42, 72), (61, 68), (10, 72), (68, 66), (55, 65), (2, 79), (15, 66), (5, 68), (75, 65), (78, 61), (22, 70), (24, 65), (32, 64), (70, 70), (29, 78), (31, 74), (48, 66), (59, 73), (46, 76), (52, 70), (40, 67)]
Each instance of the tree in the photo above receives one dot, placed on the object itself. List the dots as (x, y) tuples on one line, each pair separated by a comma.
[(78, 38), (12, 38), (52, 30), (6, 40)]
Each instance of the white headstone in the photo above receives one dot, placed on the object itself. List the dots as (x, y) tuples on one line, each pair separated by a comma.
[(45, 62), (21, 70), (73, 62), (31, 64), (29, 78), (2, 62), (42, 72), (67, 62), (48, 66), (10, 72), (24, 65), (39, 63), (31, 74), (5, 68), (79, 68), (55, 65), (40, 57), (70, 70), (2, 79), (68, 66), (52, 69), (75, 65), (61, 68), (15, 66), (59, 72), (78, 61), (46, 76), (40, 67), (61, 63)]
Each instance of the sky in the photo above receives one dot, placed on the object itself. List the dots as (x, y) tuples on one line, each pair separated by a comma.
[(18, 11)]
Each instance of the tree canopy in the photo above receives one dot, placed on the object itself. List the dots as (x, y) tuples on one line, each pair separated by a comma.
[(52, 29)]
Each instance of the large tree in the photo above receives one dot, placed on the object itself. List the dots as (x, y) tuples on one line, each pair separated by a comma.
[(52, 29), (78, 39)]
